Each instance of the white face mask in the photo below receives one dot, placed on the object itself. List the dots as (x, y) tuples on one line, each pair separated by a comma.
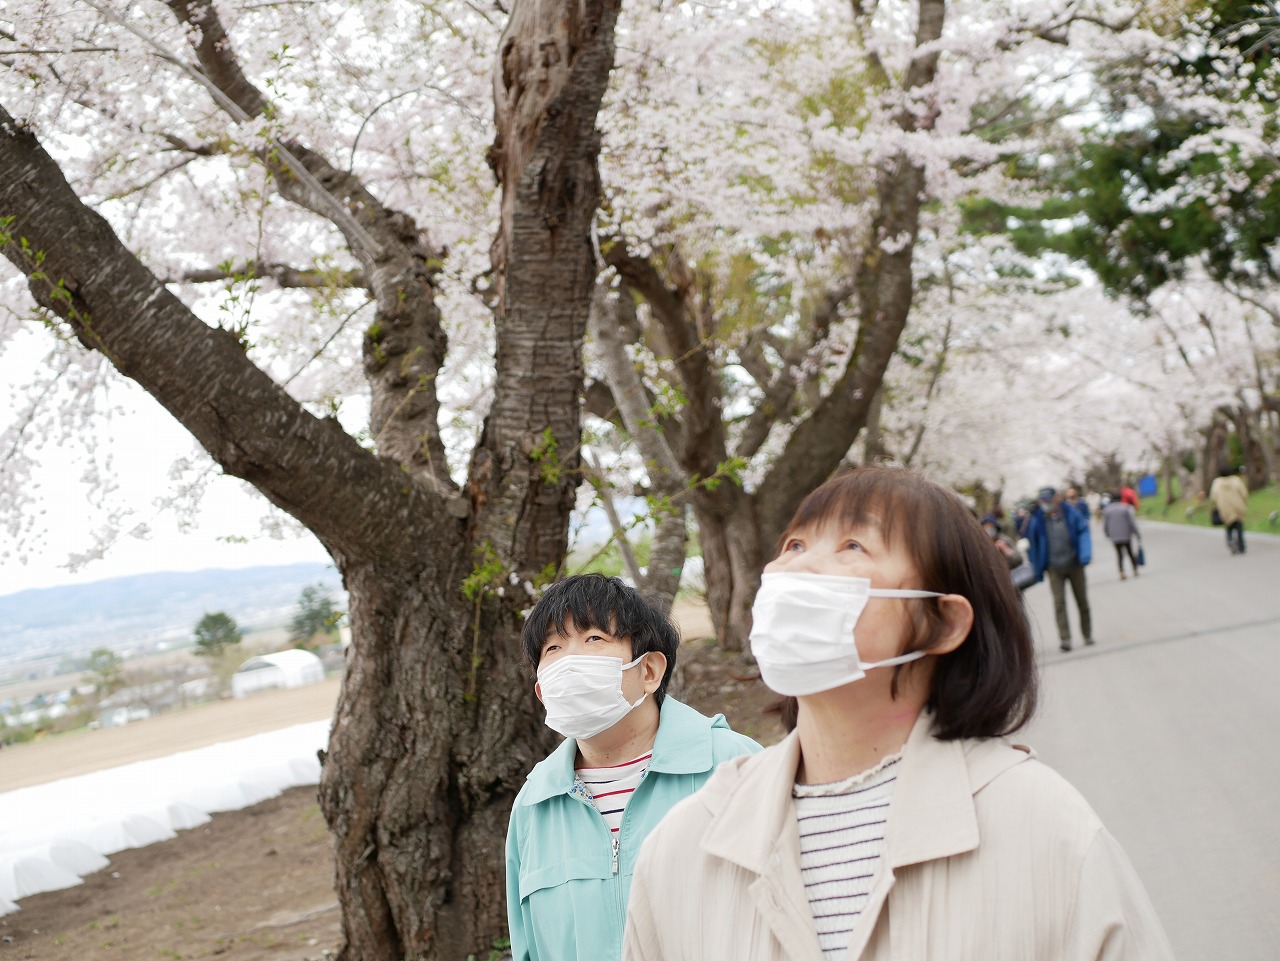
[(583, 694), (802, 630)]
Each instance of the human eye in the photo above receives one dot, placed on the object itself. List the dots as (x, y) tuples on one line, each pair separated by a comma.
[(793, 546), (596, 637), (550, 648), (853, 545)]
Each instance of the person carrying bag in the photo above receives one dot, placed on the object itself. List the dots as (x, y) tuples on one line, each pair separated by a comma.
[(1120, 523)]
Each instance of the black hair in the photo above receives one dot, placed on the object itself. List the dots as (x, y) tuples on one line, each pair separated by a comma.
[(607, 604), (987, 686)]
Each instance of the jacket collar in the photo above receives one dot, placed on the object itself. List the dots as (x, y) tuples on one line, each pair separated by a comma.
[(932, 815), (750, 803), (683, 746)]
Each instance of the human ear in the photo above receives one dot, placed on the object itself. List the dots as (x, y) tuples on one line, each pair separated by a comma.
[(957, 619), (537, 689), (652, 670)]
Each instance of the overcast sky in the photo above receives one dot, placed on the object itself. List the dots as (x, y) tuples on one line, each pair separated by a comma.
[(143, 444)]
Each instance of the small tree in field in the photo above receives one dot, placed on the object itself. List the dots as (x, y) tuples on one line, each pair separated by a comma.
[(215, 633), (105, 668), (316, 617)]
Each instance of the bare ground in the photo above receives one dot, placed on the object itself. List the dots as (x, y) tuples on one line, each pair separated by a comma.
[(251, 885), (256, 884)]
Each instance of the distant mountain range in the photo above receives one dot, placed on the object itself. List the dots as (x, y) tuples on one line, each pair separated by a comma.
[(147, 611)]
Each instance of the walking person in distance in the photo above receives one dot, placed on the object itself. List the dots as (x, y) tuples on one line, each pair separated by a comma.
[(1120, 524), (1061, 545), (1230, 499)]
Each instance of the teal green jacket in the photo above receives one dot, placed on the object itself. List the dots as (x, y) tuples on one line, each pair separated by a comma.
[(566, 886)]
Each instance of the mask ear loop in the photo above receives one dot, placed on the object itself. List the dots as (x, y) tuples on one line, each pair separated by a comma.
[(627, 667), (902, 592), (899, 592), (891, 661)]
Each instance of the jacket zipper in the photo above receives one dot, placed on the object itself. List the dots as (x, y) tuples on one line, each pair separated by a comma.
[(613, 838), (616, 838)]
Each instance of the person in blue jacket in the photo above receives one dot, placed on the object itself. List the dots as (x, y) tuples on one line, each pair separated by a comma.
[(1061, 545), (603, 657)]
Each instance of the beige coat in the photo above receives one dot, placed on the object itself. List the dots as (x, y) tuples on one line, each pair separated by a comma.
[(990, 856), (1231, 498)]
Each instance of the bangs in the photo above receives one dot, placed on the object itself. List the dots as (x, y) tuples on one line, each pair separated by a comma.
[(586, 604), (869, 497), (585, 614)]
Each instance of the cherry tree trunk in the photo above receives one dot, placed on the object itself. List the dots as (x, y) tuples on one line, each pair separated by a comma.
[(733, 555), (435, 729)]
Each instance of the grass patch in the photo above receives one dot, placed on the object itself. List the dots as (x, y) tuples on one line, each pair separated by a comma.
[(162, 889), (1194, 511)]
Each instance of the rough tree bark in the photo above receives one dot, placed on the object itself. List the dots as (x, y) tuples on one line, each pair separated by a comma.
[(436, 725), (1214, 454)]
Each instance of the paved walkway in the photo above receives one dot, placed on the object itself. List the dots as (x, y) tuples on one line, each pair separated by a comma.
[(1170, 726)]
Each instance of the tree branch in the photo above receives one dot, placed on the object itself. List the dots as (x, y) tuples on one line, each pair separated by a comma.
[(283, 275), (601, 484), (781, 387), (1057, 30), (78, 269), (1240, 294), (939, 365), (32, 51), (674, 307), (405, 346), (752, 360), (668, 481), (364, 245), (152, 180), (885, 287)]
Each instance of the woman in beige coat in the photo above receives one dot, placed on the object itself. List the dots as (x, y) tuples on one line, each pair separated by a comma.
[(894, 822)]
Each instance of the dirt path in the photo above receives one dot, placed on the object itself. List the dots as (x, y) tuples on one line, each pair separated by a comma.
[(251, 885), (81, 752)]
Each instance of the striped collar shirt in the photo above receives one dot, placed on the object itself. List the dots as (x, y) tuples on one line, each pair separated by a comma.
[(842, 831), (610, 788)]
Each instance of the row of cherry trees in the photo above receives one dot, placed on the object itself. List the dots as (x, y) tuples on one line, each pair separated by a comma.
[(1168, 198)]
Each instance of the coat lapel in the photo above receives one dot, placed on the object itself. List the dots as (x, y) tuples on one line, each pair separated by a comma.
[(754, 827), (932, 814)]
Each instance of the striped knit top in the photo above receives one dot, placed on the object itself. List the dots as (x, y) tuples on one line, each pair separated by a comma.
[(842, 830), (610, 788)]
